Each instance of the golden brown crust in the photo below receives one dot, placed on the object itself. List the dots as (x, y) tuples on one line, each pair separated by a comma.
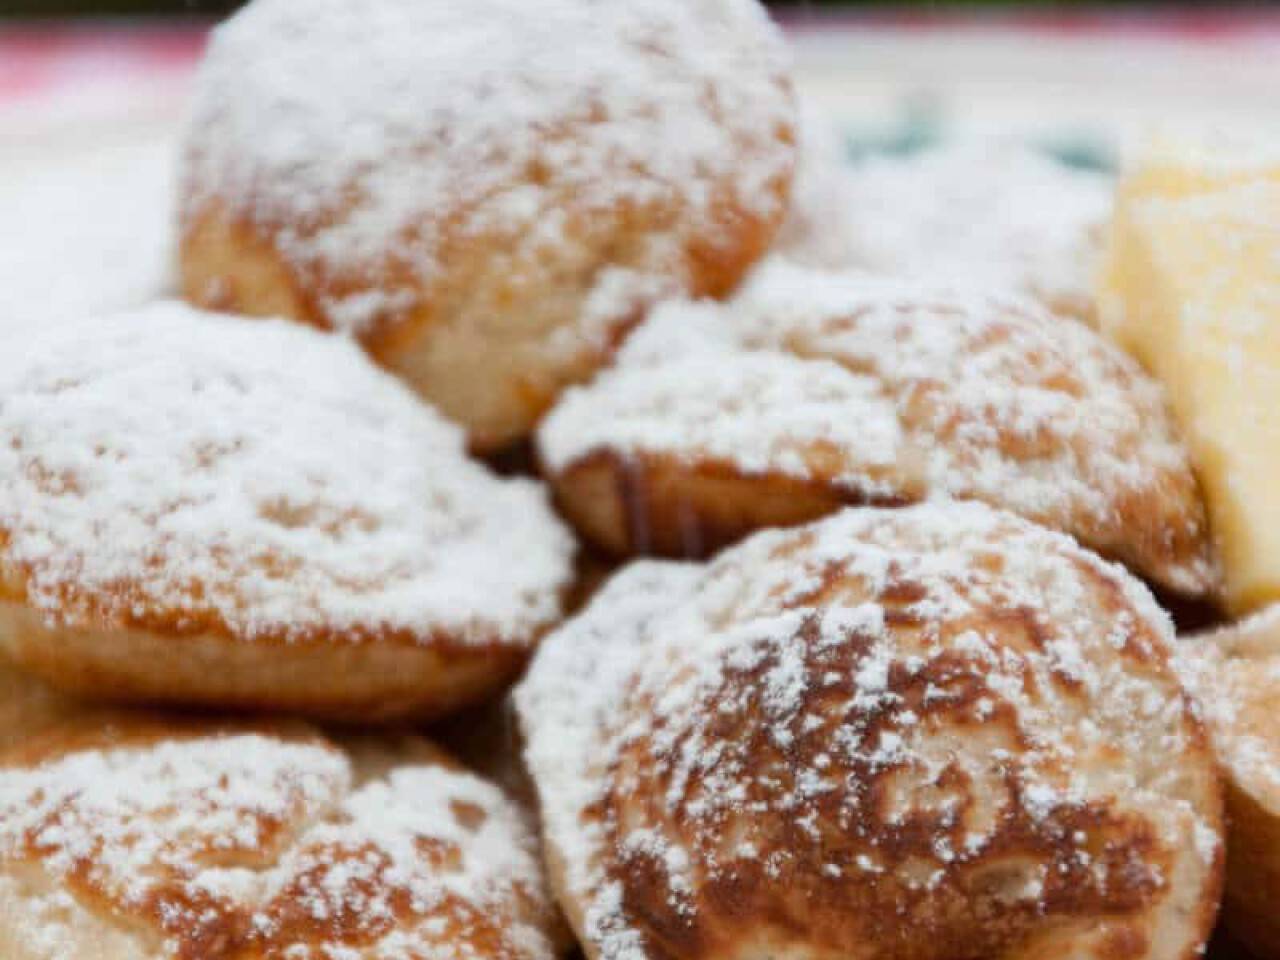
[(858, 747), (477, 341), (225, 265), (257, 842), (129, 606), (488, 246), (107, 728), (247, 537), (650, 504), (814, 390), (1115, 873), (159, 656), (370, 682), (1235, 672)]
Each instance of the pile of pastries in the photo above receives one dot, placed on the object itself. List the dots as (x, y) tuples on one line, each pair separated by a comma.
[(570, 508)]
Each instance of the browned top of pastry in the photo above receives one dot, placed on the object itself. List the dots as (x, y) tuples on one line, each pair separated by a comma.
[(155, 838), (888, 390), (887, 734), (378, 147), (192, 473)]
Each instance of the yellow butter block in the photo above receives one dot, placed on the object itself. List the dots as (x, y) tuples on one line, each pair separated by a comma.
[(1192, 287), (1169, 168)]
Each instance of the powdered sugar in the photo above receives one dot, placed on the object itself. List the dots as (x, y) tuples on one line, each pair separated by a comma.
[(261, 473), (980, 212), (817, 229), (570, 699), (242, 839), (85, 234), (698, 726), (713, 408), (1235, 675), (126, 808), (887, 388), (355, 130)]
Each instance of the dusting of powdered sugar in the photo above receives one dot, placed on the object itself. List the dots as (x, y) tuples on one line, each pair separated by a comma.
[(85, 234), (651, 686), (231, 839), (571, 697), (716, 411), (359, 132), (816, 230), (260, 473), (1234, 674), (990, 211), (883, 387)]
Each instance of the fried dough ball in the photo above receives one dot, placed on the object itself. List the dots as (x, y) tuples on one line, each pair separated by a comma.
[(934, 733), (1236, 673), (202, 510), (145, 838), (814, 388), (485, 194)]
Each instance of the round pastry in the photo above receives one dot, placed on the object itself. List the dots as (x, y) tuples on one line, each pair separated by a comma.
[(202, 510), (814, 389), (989, 210), (488, 193), (927, 733), (148, 839), (1236, 674)]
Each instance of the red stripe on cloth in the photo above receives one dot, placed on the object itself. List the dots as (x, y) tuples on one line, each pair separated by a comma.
[(41, 61), (1186, 25)]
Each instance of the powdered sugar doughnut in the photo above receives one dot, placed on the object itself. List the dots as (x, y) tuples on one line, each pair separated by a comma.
[(885, 735), (164, 840), (198, 509), (813, 389), (1235, 672), (485, 193)]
